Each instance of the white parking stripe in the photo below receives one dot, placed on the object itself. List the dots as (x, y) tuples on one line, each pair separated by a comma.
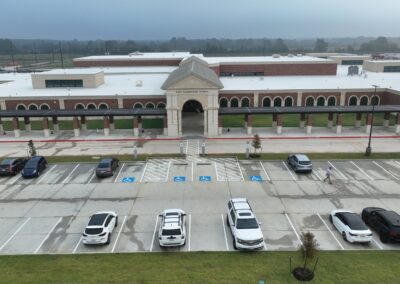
[(94, 173), (379, 246), (46, 174), (361, 170), (192, 171), (169, 166), (317, 175), (386, 170), (13, 180), (216, 171), (330, 231), (70, 174), (119, 172), (187, 147), (48, 235), (190, 226), (293, 177), (154, 234), (291, 225), (240, 169), (77, 245), (144, 170), (333, 166), (265, 172), (16, 232), (223, 227), (119, 233)]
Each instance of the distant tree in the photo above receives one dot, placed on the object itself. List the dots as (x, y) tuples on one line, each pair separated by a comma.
[(320, 45), (279, 46), (381, 44), (6, 46)]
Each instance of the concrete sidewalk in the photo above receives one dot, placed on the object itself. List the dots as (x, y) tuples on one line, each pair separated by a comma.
[(122, 142)]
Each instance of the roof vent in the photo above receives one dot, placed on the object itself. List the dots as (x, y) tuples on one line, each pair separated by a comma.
[(352, 70), (299, 55), (290, 55), (275, 55), (136, 53), (261, 78), (139, 83)]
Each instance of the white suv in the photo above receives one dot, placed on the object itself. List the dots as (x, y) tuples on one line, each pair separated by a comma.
[(244, 226), (172, 231), (100, 228)]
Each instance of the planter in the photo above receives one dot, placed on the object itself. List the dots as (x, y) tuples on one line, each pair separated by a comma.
[(303, 274)]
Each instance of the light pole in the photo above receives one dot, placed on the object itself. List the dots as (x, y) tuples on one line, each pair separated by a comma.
[(369, 150)]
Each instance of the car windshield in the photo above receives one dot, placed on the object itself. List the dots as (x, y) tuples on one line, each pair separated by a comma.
[(103, 165), (93, 231), (31, 164), (171, 232), (6, 162), (355, 222), (97, 219), (247, 223)]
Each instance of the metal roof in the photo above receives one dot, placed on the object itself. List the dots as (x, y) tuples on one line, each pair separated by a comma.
[(308, 109), (83, 112)]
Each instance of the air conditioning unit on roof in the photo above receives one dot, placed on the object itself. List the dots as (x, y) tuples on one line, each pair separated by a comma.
[(276, 55), (139, 83)]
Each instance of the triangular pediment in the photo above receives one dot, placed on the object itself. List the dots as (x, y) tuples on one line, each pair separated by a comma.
[(191, 82)]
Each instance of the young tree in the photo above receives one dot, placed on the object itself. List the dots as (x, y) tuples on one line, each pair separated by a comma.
[(310, 245), (32, 148), (256, 143)]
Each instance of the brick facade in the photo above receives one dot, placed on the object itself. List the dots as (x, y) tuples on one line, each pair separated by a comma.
[(12, 104), (129, 103), (70, 104), (125, 63)]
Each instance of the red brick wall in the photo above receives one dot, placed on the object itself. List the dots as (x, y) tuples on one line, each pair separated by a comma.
[(116, 63), (70, 104), (129, 103), (272, 96), (389, 99), (324, 94), (250, 96), (12, 104)]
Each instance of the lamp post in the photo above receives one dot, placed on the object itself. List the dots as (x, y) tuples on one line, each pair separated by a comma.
[(369, 150)]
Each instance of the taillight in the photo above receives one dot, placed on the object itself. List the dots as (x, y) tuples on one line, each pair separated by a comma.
[(392, 234)]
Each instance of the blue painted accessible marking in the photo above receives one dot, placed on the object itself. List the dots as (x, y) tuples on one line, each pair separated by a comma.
[(179, 179), (256, 178), (128, 179), (205, 178)]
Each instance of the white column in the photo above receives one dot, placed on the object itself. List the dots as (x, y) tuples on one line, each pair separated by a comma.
[(256, 99), (299, 98), (342, 98), (120, 103), (205, 118), (61, 103)]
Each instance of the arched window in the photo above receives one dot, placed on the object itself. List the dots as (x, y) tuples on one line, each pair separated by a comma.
[(103, 106), (266, 102), (21, 107), (288, 102), (364, 101), (375, 100), (245, 102), (310, 101), (353, 101), (321, 101), (223, 102), (278, 102), (79, 106), (138, 105), (150, 105), (234, 102), (33, 107), (44, 106), (331, 101), (161, 105), (91, 106)]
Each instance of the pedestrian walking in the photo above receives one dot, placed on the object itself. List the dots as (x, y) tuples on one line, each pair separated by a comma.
[(328, 175)]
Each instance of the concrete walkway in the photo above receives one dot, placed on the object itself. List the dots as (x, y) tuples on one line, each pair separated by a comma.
[(122, 142)]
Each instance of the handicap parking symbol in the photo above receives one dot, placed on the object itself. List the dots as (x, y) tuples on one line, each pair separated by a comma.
[(205, 178), (256, 178), (128, 179), (179, 179)]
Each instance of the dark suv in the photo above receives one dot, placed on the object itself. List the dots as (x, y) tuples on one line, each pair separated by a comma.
[(12, 166), (107, 167), (34, 167), (385, 223)]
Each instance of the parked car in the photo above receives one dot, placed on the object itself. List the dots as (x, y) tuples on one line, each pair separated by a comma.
[(172, 231), (34, 167), (100, 227), (300, 163), (350, 226), (385, 223), (244, 226), (12, 166), (107, 167)]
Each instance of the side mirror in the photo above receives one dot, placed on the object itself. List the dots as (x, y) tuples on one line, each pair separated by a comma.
[(184, 214), (259, 223), (160, 215)]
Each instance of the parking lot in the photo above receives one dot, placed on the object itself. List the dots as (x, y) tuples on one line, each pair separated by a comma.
[(48, 214)]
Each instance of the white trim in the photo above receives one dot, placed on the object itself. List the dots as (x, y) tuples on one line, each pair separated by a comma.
[(353, 96), (33, 104), (327, 100), (314, 101), (241, 101), (368, 101), (137, 104), (16, 108), (108, 107), (150, 103), (230, 101), (161, 103), (87, 106), (84, 107), (44, 104), (223, 98), (288, 97), (379, 99), (270, 100), (277, 97)]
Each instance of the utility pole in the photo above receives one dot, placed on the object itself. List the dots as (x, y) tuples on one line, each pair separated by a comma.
[(61, 55), (368, 151)]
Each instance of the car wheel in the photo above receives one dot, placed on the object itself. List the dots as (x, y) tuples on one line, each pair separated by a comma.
[(384, 239), (234, 244), (38, 174), (330, 219), (227, 220), (116, 221), (344, 236), (108, 239)]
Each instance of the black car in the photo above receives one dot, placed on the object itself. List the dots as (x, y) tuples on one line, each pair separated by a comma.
[(34, 167), (385, 223), (107, 167), (12, 166)]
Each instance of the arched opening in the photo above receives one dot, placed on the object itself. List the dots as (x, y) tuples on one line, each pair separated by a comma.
[(321, 101), (21, 107), (364, 101), (331, 101), (138, 105), (150, 105), (267, 102), (33, 107), (245, 102), (192, 118), (278, 102), (310, 101), (103, 106), (353, 101), (288, 102), (79, 106), (375, 100), (91, 106), (234, 102), (44, 106), (161, 105)]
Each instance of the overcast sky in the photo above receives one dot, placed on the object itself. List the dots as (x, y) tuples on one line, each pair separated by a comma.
[(163, 19)]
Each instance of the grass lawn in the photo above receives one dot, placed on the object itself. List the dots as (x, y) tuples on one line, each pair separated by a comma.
[(198, 267)]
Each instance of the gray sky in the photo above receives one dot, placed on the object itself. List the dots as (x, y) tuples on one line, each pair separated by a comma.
[(163, 19)]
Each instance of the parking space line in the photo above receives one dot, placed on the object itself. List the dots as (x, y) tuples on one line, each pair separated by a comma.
[(223, 227), (144, 170), (317, 175), (45, 175), (385, 170), (330, 231), (13, 235), (190, 226), (265, 172), (293, 177), (48, 235), (361, 170), (291, 225), (169, 166), (94, 173), (70, 174), (77, 245), (240, 169), (216, 171), (192, 171), (333, 166), (187, 146), (154, 234), (379, 246), (119, 172), (14, 180), (119, 233)]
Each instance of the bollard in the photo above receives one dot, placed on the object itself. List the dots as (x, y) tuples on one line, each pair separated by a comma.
[(135, 152), (203, 148), (247, 149), (181, 148)]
